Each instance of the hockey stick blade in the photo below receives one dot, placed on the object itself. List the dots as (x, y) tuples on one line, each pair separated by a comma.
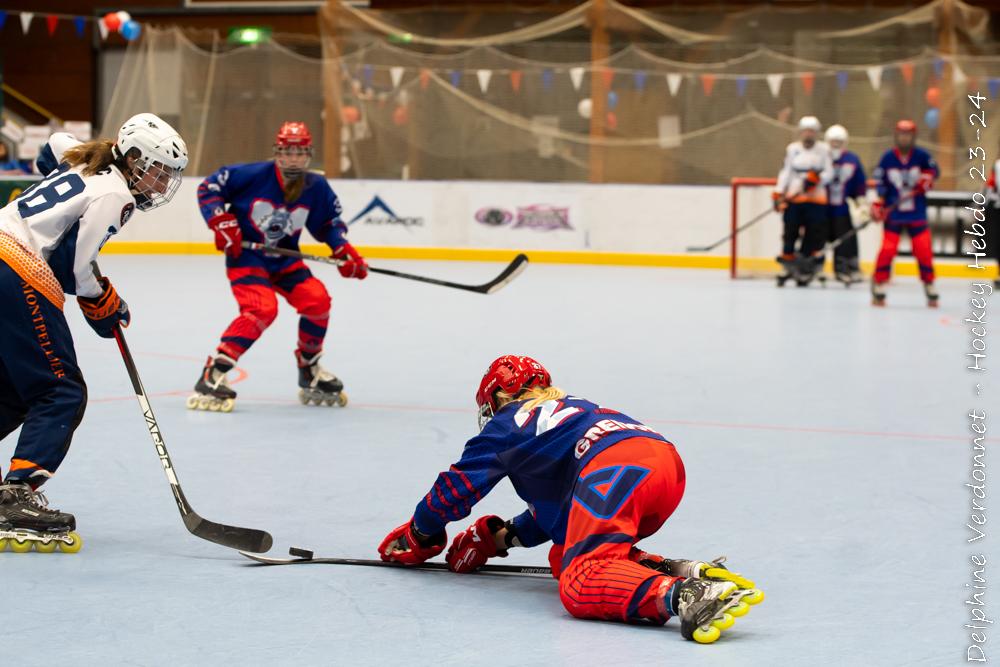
[(511, 271), (234, 537), (508, 570)]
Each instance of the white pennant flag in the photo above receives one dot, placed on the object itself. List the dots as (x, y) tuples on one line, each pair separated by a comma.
[(26, 21), (875, 76), (576, 76), (957, 75), (103, 29), (396, 74), (674, 83), (774, 83), (484, 76)]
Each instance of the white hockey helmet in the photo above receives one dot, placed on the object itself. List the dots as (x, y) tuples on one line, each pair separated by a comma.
[(836, 133), (810, 123), (158, 156)]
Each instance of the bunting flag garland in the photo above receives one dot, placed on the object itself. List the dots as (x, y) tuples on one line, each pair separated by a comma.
[(79, 23), (546, 78), (484, 76), (994, 85), (774, 83), (807, 79), (875, 76), (906, 69), (939, 67), (425, 78), (51, 21), (842, 78), (455, 76), (515, 80), (3, 18), (639, 80), (26, 21), (741, 85), (576, 77), (608, 75), (120, 22), (674, 83), (395, 75), (707, 83)]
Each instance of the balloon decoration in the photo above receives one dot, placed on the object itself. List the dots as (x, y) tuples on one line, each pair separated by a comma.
[(401, 115), (585, 108), (612, 121), (932, 118), (612, 100), (350, 115), (122, 23), (933, 96)]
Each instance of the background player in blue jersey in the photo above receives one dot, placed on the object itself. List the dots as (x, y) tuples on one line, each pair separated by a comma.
[(903, 175), (848, 182), (270, 202), (49, 236), (596, 481)]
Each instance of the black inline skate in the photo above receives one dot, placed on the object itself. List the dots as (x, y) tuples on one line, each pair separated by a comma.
[(316, 385), (27, 522)]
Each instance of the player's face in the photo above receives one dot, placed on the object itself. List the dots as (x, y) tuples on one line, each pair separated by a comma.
[(808, 137), (292, 159), (904, 140)]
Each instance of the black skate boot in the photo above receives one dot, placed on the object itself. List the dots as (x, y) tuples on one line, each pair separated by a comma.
[(26, 521), (878, 294), (212, 392), (316, 385), (809, 268), (842, 271), (707, 607), (932, 295), (855, 269), (787, 263)]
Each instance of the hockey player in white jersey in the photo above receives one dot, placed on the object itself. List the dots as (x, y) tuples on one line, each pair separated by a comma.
[(49, 236), (800, 195)]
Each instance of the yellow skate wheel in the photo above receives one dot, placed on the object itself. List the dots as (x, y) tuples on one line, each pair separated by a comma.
[(739, 609), (204, 402), (46, 547), (3, 545), (192, 402), (303, 399), (227, 405), (214, 405), (755, 598), (19, 547), (725, 622), (74, 545), (342, 400), (706, 635)]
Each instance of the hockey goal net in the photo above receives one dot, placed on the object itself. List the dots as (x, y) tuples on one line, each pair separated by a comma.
[(756, 229)]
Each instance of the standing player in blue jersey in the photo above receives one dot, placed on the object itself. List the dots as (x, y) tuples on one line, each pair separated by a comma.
[(49, 236), (270, 202), (848, 183), (596, 482), (904, 174)]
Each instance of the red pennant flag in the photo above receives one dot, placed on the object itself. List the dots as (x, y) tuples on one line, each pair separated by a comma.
[(807, 79), (51, 21), (425, 77), (907, 70), (515, 80), (707, 83), (608, 75)]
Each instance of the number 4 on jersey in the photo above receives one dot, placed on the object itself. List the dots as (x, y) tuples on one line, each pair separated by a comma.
[(604, 491)]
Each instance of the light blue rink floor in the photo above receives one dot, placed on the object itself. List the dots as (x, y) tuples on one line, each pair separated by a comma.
[(825, 442)]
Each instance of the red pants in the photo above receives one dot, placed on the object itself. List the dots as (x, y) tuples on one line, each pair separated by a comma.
[(623, 495), (254, 289), (920, 238)]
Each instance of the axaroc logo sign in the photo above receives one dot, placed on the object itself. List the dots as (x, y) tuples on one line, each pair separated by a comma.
[(543, 217), (378, 213)]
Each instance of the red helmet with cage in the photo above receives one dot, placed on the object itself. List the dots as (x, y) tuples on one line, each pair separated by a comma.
[(511, 373), (906, 125), (293, 133)]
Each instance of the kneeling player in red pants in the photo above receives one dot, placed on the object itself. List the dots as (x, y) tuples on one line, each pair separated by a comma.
[(270, 202), (596, 482), (904, 174)]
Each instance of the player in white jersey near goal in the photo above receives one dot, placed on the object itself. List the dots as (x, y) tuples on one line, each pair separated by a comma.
[(49, 236), (800, 195)]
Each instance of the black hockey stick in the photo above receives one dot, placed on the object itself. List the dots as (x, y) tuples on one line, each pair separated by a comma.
[(246, 539), (305, 557), (513, 269), (753, 221)]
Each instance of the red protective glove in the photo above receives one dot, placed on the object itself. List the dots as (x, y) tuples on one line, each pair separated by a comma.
[(405, 545), (555, 560), (924, 183), (228, 235), (354, 265), (778, 201), (475, 545), (811, 180), (878, 210)]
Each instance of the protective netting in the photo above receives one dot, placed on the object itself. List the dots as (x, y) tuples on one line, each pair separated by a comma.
[(623, 96)]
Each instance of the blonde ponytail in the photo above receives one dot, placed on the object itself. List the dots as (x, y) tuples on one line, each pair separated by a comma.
[(95, 155), (533, 397)]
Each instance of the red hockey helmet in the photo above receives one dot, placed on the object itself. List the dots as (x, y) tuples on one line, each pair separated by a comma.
[(511, 373), (293, 133), (906, 125)]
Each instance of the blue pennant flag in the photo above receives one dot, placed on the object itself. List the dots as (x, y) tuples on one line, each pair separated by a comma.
[(741, 85), (842, 80), (367, 74), (546, 79), (639, 80), (3, 17), (938, 67), (455, 76), (79, 23), (994, 85)]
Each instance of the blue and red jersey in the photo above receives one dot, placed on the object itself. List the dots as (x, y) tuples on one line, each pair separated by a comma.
[(253, 193), (541, 451), (848, 182), (897, 176)]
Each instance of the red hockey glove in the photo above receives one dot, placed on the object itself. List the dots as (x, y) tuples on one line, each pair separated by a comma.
[(475, 545), (354, 265), (811, 180), (924, 183), (228, 235), (407, 545), (105, 311), (778, 201), (878, 211)]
